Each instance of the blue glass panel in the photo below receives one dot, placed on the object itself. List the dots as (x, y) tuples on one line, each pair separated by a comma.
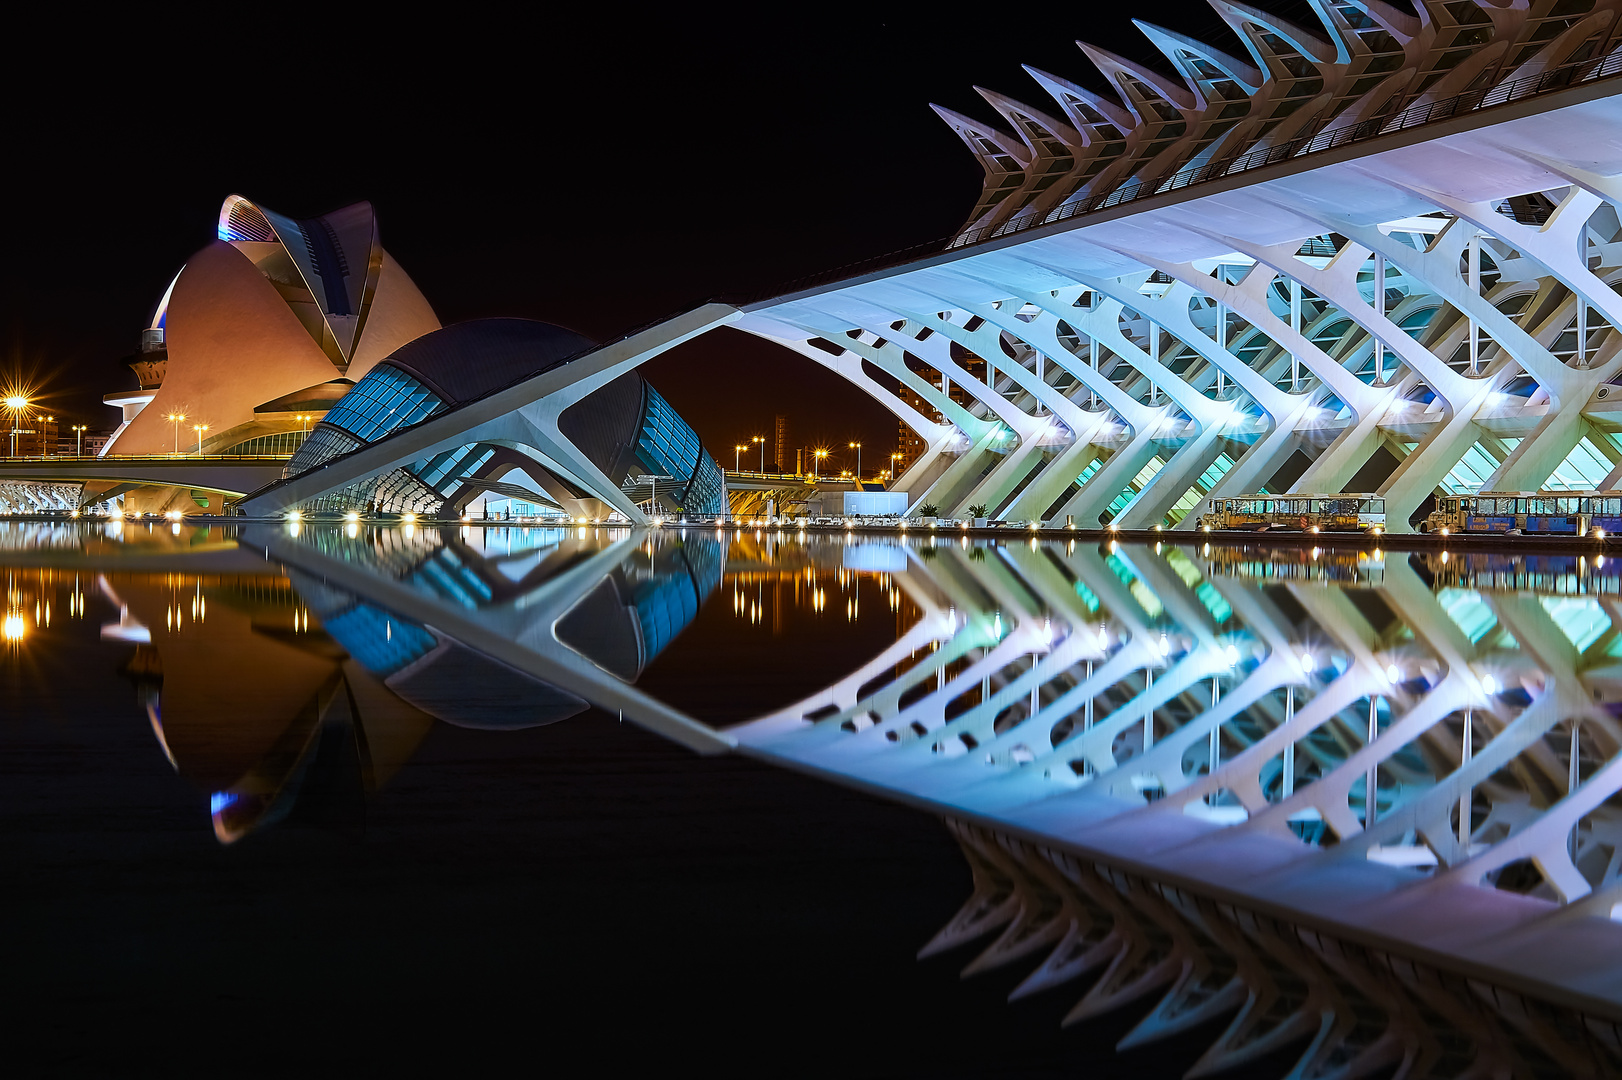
[(381, 642)]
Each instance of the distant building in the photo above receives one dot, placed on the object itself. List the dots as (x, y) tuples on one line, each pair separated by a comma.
[(780, 445), (30, 435), (909, 444)]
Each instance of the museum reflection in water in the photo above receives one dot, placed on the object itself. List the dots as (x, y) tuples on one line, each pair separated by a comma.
[(1437, 717)]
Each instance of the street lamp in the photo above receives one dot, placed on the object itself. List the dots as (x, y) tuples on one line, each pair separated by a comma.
[(78, 437), (736, 452), (175, 419), (16, 403), (199, 428), (816, 462), (762, 441), (858, 447), (653, 487)]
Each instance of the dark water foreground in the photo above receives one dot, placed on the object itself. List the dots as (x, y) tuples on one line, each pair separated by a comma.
[(254, 822)]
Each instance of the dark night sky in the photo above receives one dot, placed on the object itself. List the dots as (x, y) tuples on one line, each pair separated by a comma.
[(598, 170)]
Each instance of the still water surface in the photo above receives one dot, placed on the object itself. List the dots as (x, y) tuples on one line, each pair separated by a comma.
[(343, 794)]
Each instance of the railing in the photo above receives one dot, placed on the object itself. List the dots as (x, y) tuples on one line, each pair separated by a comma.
[(1557, 78), (798, 478), (173, 459)]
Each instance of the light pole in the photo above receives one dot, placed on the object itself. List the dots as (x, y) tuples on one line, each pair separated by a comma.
[(762, 441), (653, 498), (858, 447), (816, 464), (175, 419), (737, 452), (199, 428), (78, 438)]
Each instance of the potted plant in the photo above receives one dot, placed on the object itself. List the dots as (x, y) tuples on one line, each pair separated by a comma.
[(978, 513), (928, 513)]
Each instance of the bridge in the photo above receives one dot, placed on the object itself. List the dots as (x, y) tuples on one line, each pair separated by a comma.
[(1386, 307), (155, 483), (749, 493)]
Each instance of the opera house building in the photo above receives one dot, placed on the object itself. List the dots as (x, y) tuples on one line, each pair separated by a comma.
[(304, 338)]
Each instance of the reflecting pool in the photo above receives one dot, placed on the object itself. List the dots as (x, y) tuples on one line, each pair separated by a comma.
[(1223, 808)]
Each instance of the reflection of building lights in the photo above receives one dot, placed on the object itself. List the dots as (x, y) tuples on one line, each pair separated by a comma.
[(1489, 684), (14, 627), (1308, 662), (1393, 674)]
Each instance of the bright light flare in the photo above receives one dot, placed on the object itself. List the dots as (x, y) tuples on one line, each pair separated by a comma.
[(14, 627)]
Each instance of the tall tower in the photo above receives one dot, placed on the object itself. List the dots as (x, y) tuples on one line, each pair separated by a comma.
[(780, 444)]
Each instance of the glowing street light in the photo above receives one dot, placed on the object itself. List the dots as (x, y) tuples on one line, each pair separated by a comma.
[(175, 419), (736, 452), (858, 448), (816, 462), (761, 439), (199, 428), (78, 438)]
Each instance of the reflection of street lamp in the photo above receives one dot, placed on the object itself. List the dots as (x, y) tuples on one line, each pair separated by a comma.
[(762, 441), (858, 447), (175, 419), (816, 462), (78, 437), (199, 428)]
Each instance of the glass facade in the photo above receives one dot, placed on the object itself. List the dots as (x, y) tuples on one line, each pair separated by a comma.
[(387, 398), (323, 444), (668, 446), (282, 442)]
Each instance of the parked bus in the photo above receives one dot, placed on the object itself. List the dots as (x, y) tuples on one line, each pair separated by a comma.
[(1300, 513), (1531, 513)]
